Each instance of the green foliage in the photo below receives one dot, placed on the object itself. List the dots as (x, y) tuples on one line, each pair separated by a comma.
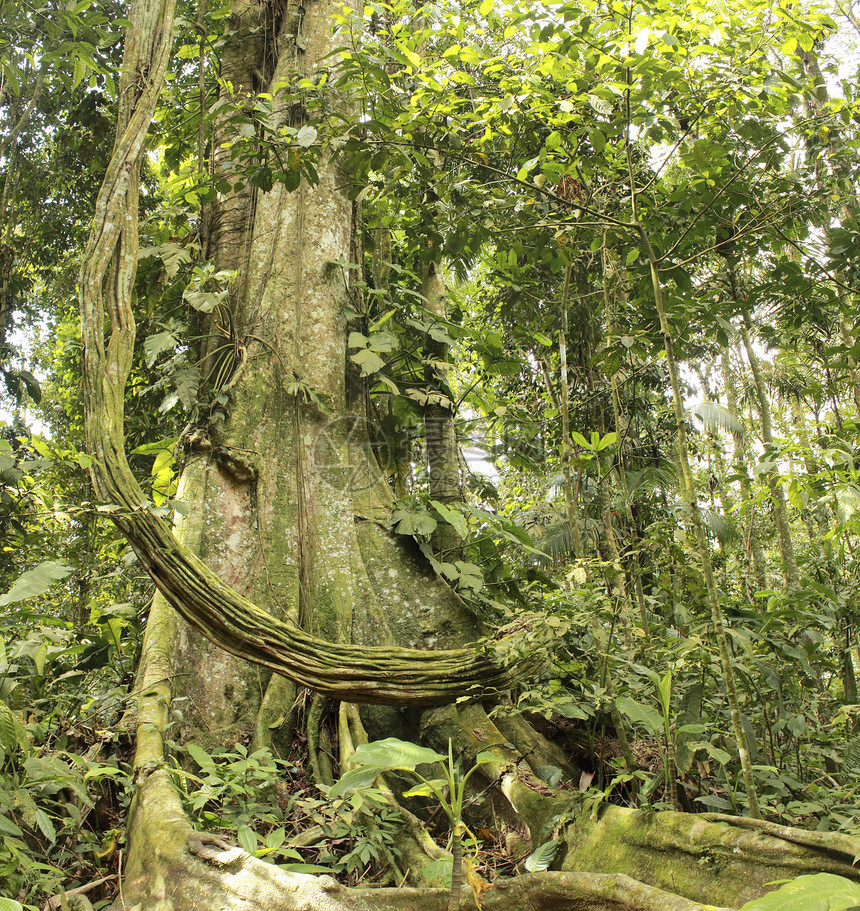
[(541, 858), (815, 892), (249, 796), (36, 582), (233, 787), (509, 145), (449, 791)]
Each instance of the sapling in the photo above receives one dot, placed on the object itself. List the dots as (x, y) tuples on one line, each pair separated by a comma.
[(390, 755)]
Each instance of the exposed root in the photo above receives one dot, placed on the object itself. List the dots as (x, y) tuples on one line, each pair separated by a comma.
[(276, 712), (516, 794), (533, 746), (707, 858), (180, 870), (319, 744)]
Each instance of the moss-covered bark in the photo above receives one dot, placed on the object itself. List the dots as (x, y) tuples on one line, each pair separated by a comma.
[(274, 475), (718, 859)]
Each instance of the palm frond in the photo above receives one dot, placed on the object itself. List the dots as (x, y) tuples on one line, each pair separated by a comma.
[(723, 529), (717, 417)]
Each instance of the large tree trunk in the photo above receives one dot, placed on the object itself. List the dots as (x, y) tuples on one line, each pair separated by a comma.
[(287, 507)]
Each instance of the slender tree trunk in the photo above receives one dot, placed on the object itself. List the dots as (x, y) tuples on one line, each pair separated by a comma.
[(634, 569), (780, 513), (755, 578), (566, 444), (688, 491), (443, 451)]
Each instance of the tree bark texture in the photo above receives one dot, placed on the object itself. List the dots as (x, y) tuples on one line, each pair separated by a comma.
[(288, 315)]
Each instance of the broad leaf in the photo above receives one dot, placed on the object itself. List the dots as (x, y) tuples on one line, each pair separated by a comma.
[(43, 821), (199, 755), (812, 892), (640, 714), (353, 779), (540, 859), (7, 827), (306, 136), (551, 774), (438, 872), (247, 838), (425, 790), (36, 582), (392, 753)]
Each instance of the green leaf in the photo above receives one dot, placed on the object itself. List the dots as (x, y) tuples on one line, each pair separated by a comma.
[(247, 838), (40, 658), (424, 789), (640, 714), (438, 872), (8, 729), (43, 821), (199, 755), (789, 46), (569, 710), (720, 756), (368, 361), (306, 868), (601, 105), (453, 517), (30, 383), (469, 575), (406, 522), (276, 838), (353, 779), (551, 774), (154, 345), (7, 827), (610, 439), (9, 904), (36, 582), (306, 136), (810, 892), (167, 444), (392, 753), (665, 692), (540, 859), (553, 141)]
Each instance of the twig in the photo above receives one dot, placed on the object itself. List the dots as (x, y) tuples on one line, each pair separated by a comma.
[(56, 901)]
